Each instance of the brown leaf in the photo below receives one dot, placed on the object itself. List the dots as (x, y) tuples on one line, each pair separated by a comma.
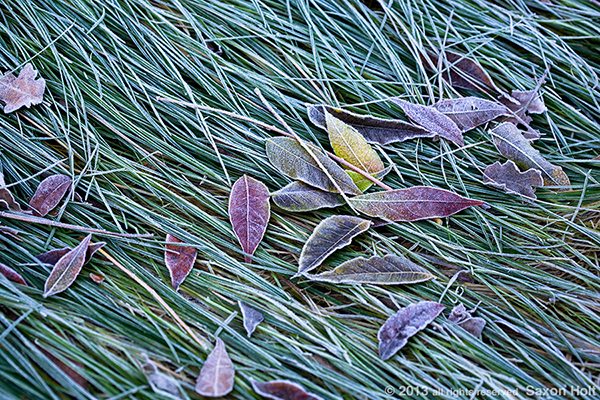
[(409, 320), (508, 178), (7, 201), (249, 212), (12, 275), (67, 268), (49, 193), (251, 316), (96, 278), (298, 196), (51, 257), (413, 204), (161, 383), (463, 72), (179, 260), (470, 112), (473, 325), (521, 103), (71, 373), (432, 120), (282, 390), (217, 373), (22, 91)]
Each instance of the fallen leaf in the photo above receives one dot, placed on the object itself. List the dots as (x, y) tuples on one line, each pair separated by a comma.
[(413, 204), (282, 390), (49, 193), (463, 72), (7, 201), (470, 112), (12, 275), (51, 257), (67, 268), (363, 183), (292, 160), (298, 196), (389, 270), (473, 325), (373, 129), (432, 120), (529, 100), (249, 212), (71, 373), (507, 177), (511, 143), (409, 320), (22, 91), (161, 383), (96, 278), (251, 316), (331, 234), (217, 373), (179, 260)]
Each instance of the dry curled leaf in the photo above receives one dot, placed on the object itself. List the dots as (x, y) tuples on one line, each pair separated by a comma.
[(432, 120), (373, 129), (179, 260), (298, 196), (331, 234), (217, 373), (251, 316), (473, 325), (409, 320), (24, 90), (363, 183), (413, 204), (470, 112), (508, 178), (511, 143), (463, 72), (292, 160), (389, 270), (161, 383), (49, 193), (249, 212), (51, 257), (12, 275), (282, 390), (67, 268), (7, 201)]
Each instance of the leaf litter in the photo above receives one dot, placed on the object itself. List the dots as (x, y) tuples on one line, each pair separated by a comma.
[(23, 90), (179, 260), (217, 373), (470, 112), (282, 390), (161, 383), (507, 177), (298, 196), (462, 317)]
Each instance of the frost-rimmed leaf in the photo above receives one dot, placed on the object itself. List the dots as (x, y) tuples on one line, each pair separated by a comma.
[(49, 193), (252, 317), (298, 197), (389, 270), (282, 390), (67, 268), (331, 234), (374, 130), (51, 257), (21, 91), (217, 373), (511, 143), (12, 275), (249, 212), (470, 112), (161, 383), (432, 120), (409, 320), (473, 325), (521, 103), (413, 204), (363, 183), (507, 177), (463, 72), (179, 260), (292, 160), (7, 201)]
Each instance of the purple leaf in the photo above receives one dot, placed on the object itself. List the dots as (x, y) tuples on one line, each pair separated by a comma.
[(470, 112), (7, 201), (473, 325), (12, 275), (216, 376), (51, 257), (67, 268), (508, 178), (49, 193), (179, 260), (298, 196), (463, 72), (282, 390), (252, 317)]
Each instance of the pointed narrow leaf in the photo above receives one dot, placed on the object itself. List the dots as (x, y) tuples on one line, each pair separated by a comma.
[(251, 316), (7, 201), (409, 320), (179, 260), (432, 120), (67, 268), (161, 383), (249, 212), (12, 275), (51, 257), (24, 90), (363, 183), (282, 390), (511, 143), (463, 72), (508, 178), (389, 270), (331, 234), (473, 325), (373, 129), (470, 112), (298, 196), (216, 376), (292, 160), (49, 193), (413, 204)]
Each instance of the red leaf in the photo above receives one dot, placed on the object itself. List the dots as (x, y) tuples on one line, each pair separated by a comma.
[(179, 259), (249, 211), (51, 257), (216, 376), (96, 278), (49, 193), (282, 390), (67, 268), (12, 275)]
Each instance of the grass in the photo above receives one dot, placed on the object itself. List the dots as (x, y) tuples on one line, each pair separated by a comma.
[(146, 166)]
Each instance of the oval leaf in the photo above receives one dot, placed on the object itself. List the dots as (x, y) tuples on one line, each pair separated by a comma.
[(67, 268), (96, 278), (409, 320), (292, 160), (179, 260), (389, 270), (217, 373), (12, 275), (282, 390), (508, 178), (251, 316), (331, 234), (413, 204), (298, 196), (24, 90), (49, 193), (249, 212), (470, 112)]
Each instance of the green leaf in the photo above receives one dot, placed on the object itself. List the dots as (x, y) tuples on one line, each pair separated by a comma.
[(364, 183)]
